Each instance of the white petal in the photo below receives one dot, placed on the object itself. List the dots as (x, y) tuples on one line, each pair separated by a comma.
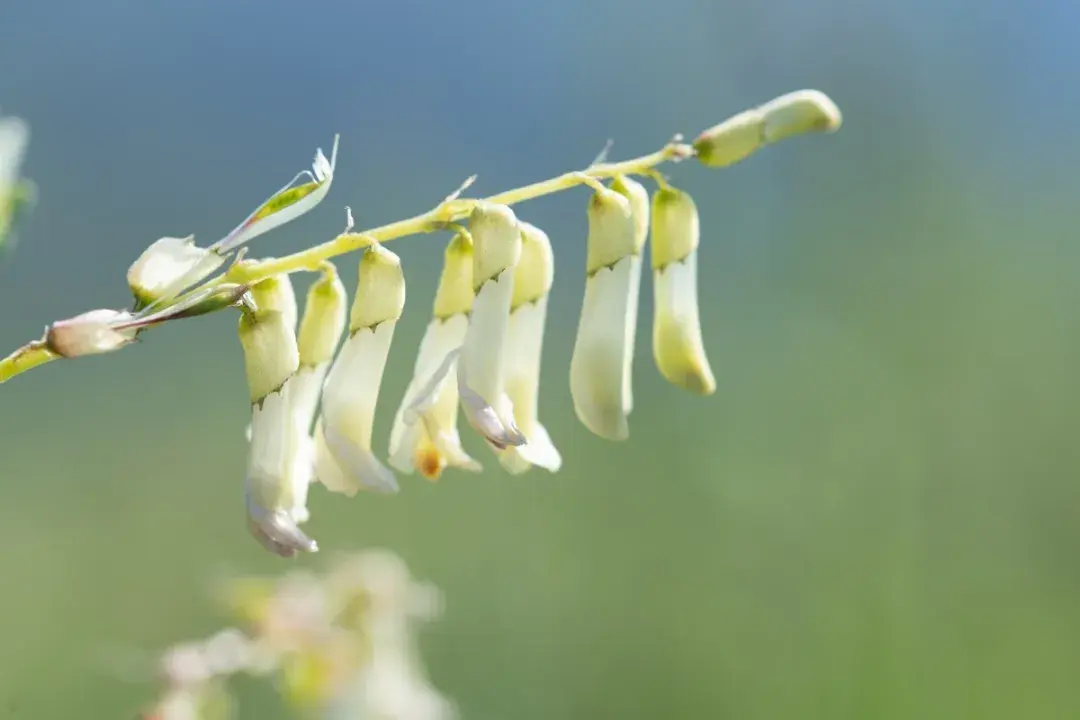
[(425, 431), (285, 205), (599, 365), (481, 370), (166, 262), (524, 343), (268, 487), (677, 344), (631, 333), (349, 396)]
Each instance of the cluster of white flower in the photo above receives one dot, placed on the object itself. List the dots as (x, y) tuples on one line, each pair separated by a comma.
[(340, 645), (313, 404)]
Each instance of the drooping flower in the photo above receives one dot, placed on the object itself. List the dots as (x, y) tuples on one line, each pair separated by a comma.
[(320, 332), (481, 370), (344, 461), (425, 434), (677, 346), (738, 137), (533, 277), (271, 360), (602, 359)]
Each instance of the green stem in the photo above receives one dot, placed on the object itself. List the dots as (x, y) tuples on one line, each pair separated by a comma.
[(448, 212)]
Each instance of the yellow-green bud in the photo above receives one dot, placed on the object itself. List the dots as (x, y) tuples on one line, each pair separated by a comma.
[(324, 318), (496, 241), (270, 352), (380, 294), (455, 293), (611, 230), (535, 270), (675, 227), (803, 111)]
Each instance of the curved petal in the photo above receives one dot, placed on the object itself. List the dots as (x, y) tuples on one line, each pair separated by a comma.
[(349, 396), (524, 343), (599, 366), (425, 434)]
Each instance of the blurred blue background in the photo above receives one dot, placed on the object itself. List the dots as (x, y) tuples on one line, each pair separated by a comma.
[(874, 517)]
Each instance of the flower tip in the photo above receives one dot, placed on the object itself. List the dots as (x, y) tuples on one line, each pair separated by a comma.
[(278, 532), (799, 112)]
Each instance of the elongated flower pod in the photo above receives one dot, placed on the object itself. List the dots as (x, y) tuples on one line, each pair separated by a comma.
[(524, 342), (343, 459), (481, 368), (738, 137), (600, 363), (271, 359), (320, 332), (425, 434), (677, 345)]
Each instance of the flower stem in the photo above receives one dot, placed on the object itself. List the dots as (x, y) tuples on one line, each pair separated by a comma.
[(451, 211)]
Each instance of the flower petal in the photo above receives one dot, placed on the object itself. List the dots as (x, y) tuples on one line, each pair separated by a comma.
[(165, 262), (285, 205)]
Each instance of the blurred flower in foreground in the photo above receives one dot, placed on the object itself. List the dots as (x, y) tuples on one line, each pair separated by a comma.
[(14, 193), (340, 645)]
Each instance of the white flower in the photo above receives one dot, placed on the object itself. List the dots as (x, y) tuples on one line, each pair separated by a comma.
[(271, 361), (524, 341), (677, 345), (14, 139), (481, 366), (601, 364), (320, 331), (166, 261), (425, 434), (286, 204), (343, 458)]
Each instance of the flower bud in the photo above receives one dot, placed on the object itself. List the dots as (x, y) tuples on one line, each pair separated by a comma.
[(602, 360), (90, 333), (166, 262), (739, 136)]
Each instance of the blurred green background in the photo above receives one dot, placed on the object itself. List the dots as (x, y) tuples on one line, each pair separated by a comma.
[(874, 517)]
